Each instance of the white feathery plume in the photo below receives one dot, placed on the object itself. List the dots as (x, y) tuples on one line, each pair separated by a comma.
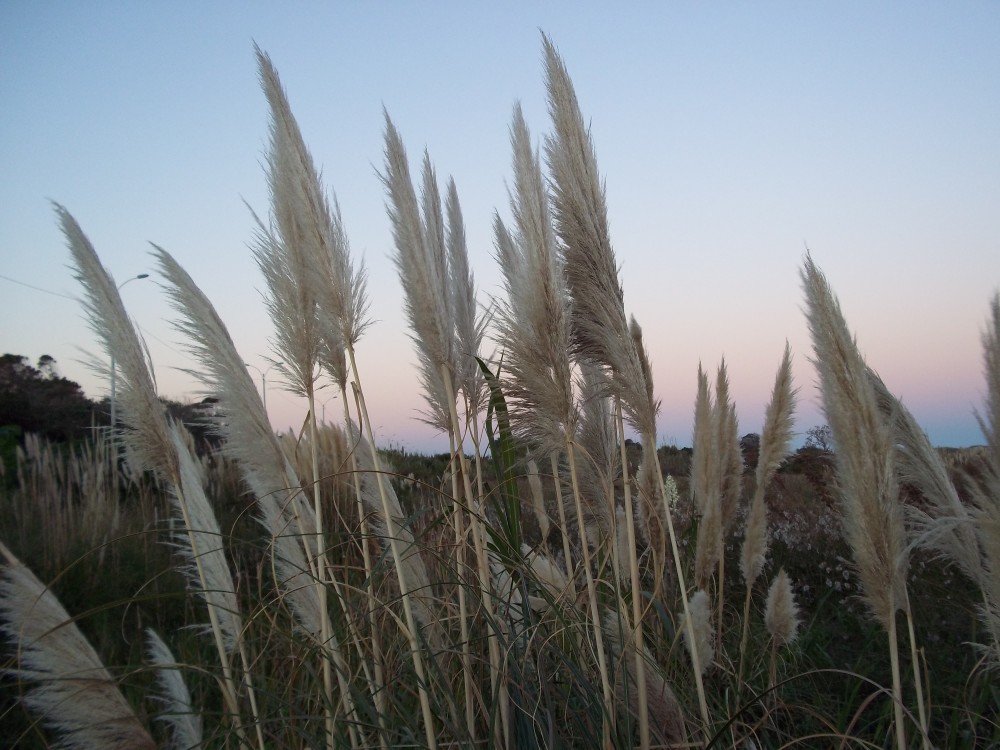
[(178, 711), (703, 440), (470, 325), (873, 516), (781, 614), (534, 320), (291, 308), (249, 439), (728, 452), (142, 414), (600, 331), (160, 446), (71, 688), (865, 460), (299, 202), (423, 271), (200, 543), (775, 439), (700, 611)]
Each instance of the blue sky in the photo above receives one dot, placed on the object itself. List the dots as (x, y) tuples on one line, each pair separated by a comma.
[(730, 136)]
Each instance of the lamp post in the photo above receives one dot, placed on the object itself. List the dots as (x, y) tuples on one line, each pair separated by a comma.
[(323, 418), (114, 400), (263, 380)]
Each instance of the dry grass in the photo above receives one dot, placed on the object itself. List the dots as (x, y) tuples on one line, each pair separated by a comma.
[(536, 595)]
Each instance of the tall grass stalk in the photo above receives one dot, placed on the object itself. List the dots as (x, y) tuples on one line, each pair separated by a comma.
[(392, 529), (470, 328), (774, 442), (424, 271), (156, 444), (599, 329), (869, 490), (288, 255), (376, 638), (635, 624)]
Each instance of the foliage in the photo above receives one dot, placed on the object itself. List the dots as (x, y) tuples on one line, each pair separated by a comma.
[(38, 400)]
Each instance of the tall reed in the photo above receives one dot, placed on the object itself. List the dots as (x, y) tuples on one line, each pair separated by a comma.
[(774, 443), (868, 487), (156, 443)]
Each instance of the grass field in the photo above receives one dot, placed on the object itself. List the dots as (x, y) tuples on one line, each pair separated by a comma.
[(546, 584)]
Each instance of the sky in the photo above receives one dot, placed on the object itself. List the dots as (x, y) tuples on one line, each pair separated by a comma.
[(731, 137)]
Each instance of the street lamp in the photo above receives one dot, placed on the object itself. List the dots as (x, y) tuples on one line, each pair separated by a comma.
[(114, 401), (263, 380), (323, 418)]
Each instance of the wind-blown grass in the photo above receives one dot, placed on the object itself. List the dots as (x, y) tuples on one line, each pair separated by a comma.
[(534, 597)]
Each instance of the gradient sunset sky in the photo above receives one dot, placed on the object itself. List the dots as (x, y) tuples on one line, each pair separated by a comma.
[(732, 137)]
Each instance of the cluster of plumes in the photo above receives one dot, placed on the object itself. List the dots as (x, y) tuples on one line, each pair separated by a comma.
[(153, 439), (717, 471), (439, 289), (569, 353), (164, 447), (571, 360), (317, 298)]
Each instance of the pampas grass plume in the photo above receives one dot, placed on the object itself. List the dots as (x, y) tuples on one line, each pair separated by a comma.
[(775, 438), (781, 614), (534, 320), (700, 608), (185, 723), (71, 689), (868, 486)]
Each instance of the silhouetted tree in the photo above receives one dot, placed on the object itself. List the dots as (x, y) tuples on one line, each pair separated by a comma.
[(750, 447), (39, 400), (820, 437)]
